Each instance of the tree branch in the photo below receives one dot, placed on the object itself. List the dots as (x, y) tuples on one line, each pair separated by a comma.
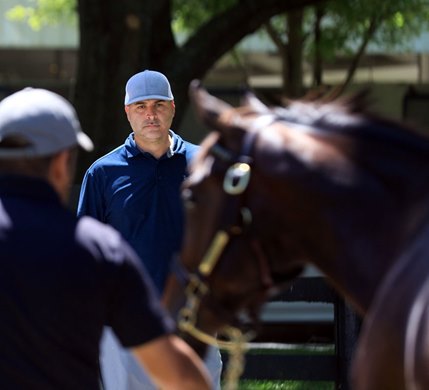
[(222, 32)]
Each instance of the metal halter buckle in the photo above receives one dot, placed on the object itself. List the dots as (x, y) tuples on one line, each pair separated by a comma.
[(236, 178)]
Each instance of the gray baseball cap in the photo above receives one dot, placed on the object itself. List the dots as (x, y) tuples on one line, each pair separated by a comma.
[(44, 119), (145, 85)]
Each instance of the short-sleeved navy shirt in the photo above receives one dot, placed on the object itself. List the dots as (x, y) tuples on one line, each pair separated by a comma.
[(139, 195), (61, 280)]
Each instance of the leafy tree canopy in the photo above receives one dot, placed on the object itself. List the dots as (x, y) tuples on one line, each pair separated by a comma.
[(345, 24), (44, 12), (395, 21)]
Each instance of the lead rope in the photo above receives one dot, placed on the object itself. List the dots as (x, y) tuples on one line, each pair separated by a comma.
[(236, 348), (237, 341), (236, 361)]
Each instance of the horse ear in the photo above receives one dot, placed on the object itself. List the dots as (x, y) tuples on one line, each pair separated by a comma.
[(208, 107), (254, 103)]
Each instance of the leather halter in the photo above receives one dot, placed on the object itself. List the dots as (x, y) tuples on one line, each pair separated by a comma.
[(235, 184)]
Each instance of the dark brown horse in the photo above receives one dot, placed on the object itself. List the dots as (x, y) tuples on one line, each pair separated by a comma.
[(273, 189)]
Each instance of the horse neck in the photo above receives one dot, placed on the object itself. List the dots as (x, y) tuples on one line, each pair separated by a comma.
[(352, 209), (354, 237), (364, 246)]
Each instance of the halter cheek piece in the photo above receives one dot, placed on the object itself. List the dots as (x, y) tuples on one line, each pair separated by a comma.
[(235, 183)]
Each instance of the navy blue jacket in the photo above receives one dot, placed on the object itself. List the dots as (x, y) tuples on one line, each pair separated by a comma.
[(61, 280), (139, 195)]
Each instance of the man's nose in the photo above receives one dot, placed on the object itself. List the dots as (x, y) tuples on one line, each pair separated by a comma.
[(150, 112)]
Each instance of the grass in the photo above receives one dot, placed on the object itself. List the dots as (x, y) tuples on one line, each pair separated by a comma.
[(248, 384), (295, 349), (285, 385)]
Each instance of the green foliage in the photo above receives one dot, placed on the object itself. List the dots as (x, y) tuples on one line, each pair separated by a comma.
[(344, 24), (188, 15), (44, 12), (394, 21)]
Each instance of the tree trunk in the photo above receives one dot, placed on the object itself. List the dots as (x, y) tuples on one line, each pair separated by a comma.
[(282, 48), (372, 28), (317, 63), (293, 85)]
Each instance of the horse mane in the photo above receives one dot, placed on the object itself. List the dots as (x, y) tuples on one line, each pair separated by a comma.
[(392, 152), (395, 152), (349, 115)]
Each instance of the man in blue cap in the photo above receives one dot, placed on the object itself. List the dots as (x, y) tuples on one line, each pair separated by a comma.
[(62, 278), (136, 189)]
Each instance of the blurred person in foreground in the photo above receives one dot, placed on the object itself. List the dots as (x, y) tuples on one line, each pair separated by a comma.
[(63, 278)]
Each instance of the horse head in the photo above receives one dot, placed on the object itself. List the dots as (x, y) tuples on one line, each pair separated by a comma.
[(239, 222), (273, 189)]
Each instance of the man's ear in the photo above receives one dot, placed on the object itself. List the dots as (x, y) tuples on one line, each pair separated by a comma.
[(127, 110), (59, 174)]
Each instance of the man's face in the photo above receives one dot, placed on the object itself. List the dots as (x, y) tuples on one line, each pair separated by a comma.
[(150, 119)]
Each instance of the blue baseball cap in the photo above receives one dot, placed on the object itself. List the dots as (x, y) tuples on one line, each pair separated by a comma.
[(45, 120), (145, 85)]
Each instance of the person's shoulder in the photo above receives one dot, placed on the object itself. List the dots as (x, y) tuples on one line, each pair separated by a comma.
[(89, 228), (191, 146), (111, 158), (185, 145), (191, 149), (102, 240)]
